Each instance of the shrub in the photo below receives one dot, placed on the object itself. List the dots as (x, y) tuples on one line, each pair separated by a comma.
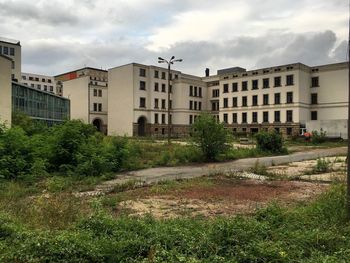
[(318, 137), (322, 166), (270, 142), (210, 136)]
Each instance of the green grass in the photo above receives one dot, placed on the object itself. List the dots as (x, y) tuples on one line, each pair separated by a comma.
[(314, 232)]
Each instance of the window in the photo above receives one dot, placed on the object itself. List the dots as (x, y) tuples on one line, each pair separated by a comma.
[(289, 97), (36, 79), (142, 72), (244, 101), (100, 93), (266, 99), (277, 98), (31, 78), (156, 121), (277, 116), (290, 80), (6, 50), (255, 100), (314, 82), (49, 80), (191, 90), (244, 85), (265, 116), (142, 102), (234, 102), (100, 107), (225, 102), (51, 88), (199, 91), (234, 117), (156, 74), (191, 119), (195, 91), (163, 75), (234, 87), (95, 92), (39, 86), (289, 131), (314, 98), (244, 117), (266, 83), (225, 88), (163, 104), (156, 106), (199, 105), (95, 106), (12, 51), (225, 118), (163, 118), (142, 85), (289, 116), (195, 105), (216, 93), (255, 84), (163, 87), (314, 115), (191, 105), (277, 81), (24, 77), (156, 86), (43, 80), (255, 117)]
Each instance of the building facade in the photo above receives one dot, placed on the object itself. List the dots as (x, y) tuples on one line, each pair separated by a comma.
[(288, 98), (12, 49), (87, 89), (5, 90), (40, 82)]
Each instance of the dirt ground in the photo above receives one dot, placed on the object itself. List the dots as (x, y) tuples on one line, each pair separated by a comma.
[(221, 197)]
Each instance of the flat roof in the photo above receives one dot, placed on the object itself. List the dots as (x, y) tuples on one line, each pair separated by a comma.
[(81, 69), (10, 41)]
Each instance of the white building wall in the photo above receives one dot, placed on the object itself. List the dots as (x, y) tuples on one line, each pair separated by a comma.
[(5, 91)]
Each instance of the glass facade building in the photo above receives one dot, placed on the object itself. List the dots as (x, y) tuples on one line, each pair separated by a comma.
[(40, 105)]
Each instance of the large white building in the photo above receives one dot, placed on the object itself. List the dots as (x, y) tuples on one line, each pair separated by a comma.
[(12, 49), (40, 82), (285, 98)]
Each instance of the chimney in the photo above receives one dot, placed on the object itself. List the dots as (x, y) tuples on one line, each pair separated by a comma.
[(207, 72)]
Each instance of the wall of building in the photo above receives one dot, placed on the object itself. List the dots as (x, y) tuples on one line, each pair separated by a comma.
[(5, 90), (6, 46), (333, 128), (40, 82)]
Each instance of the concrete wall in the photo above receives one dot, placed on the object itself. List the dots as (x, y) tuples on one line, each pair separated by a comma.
[(333, 128), (5, 90)]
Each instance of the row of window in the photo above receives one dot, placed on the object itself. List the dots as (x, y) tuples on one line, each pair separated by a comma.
[(195, 91), (277, 117), (97, 93), (36, 79), (156, 86), (163, 116), (142, 73), (255, 84), (38, 86), (156, 104), (98, 107), (192, 118), (7, 50), (195, 105)]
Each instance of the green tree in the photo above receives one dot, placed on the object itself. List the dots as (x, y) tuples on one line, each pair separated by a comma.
[(270, 142), (212, 137)]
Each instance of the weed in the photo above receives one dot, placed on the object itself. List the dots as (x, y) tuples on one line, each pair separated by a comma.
[(259, 168), (322, 166)]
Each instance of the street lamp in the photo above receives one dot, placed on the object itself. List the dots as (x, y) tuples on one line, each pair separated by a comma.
[(170, 62)]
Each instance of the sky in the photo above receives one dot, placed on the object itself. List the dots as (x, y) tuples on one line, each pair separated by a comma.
[(59, 36)]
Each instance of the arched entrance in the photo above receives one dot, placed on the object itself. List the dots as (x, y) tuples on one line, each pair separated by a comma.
[(98, 124), (141, 126)]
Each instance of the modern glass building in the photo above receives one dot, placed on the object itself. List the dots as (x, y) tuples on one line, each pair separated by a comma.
[(40, 105)]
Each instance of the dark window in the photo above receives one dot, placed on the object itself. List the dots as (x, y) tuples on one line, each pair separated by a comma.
[(156, 74), (195, 91), (234, 117), (100, 93), (191, 105), (191, 90), (43, 80), (6, 50), (49, 80), (142, 85), (163, 118), (225, 102), (314, 98), (100, 107), (199, 91), (225, 88), (24, 77), (277, 116), (277, 81), (265, 116), (195, 105), (199, 105), (156, 118), (255, 84), (244, 101), (289, 80), (314, 115), (191, 119), (255, 116), (216, 93), (289, 131), (255, 100), (277, 98), (142, 72), (142, 102), (289, 97), (225, 118), (244, 117), (266, 99), (244, 85), (163, 87), (95, 106), (156, 86), (163, 75), (234, 102), (234, 87), (12, 51), (266, 83), (163, 104), (314, 82), (289, 115), (156, 106), (95, 92)]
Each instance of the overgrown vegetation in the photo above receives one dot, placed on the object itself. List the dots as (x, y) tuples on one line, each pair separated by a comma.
[(270, 142), (318, 137), (317, 232)]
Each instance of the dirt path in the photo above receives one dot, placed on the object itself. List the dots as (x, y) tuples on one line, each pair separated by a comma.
[(154, 175)]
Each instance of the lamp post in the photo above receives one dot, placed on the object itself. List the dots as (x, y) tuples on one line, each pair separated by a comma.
[(169, 62)]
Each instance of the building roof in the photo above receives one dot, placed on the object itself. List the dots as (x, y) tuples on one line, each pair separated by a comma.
[(81, 69), (10, 41)]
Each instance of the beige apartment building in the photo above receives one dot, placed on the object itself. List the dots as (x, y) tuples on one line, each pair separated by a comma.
[(12, 49), (5, 90), (40, 82), (289, 99), (87, 89)]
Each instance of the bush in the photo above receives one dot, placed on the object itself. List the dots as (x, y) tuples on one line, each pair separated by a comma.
[(318, 137), (210, 136), (270, 142)]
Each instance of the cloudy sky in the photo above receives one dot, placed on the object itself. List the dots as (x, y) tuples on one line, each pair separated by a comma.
[(59, 36)]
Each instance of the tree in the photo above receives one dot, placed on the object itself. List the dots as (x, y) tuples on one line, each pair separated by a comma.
[(212, 137)]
